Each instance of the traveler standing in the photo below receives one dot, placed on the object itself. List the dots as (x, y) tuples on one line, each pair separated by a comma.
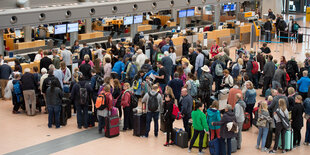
[(5, 72), (186, 103), (54, 100), (250, 99), (239, 113), (66, 56), (214, 115), (263, 125), (162, 77), (125, 102), (297, 120), (303, 84), (45, 62), (169, 118), (307, 117), (153, 102), (268, 72), (102, 114), (29, 86), (205, 86), (85, 51)]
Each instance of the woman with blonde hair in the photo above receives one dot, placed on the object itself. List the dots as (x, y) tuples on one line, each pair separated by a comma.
[(281, 118), (263, 125), (291, 98), (169, 91)]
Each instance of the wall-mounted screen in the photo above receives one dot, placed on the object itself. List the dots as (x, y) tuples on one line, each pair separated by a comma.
[(182, 13), (233, 7), (190, 12), (138, 19), (128, 20), (73, 27), (226, 8), (60, 29)]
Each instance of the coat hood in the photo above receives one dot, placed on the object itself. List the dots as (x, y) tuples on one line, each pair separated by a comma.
[(242, 104), (211, 112)]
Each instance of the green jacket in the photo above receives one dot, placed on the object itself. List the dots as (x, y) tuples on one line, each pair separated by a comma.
[(199, 120)]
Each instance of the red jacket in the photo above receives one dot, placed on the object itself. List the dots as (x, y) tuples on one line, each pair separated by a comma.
[(126, 99), (109, 100), (214, 50)]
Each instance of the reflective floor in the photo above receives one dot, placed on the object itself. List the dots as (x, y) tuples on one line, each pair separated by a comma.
[(21, 134)]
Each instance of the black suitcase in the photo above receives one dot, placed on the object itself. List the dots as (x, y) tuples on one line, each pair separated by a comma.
[(63, 115), (162, 123), (91, 119), (180, 137), (284, 34), (139, 124), (68, 108), (300, 38)]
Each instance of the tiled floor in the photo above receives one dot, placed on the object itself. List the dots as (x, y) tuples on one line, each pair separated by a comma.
[(21, 131)]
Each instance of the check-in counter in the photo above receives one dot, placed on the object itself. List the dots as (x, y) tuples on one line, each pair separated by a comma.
[(29, 65), (92, 35), (144, 28), (218, 35), (24, 45), (245, 32), (171, 24)]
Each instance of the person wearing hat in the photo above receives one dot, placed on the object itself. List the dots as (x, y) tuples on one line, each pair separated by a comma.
[(205, 87)]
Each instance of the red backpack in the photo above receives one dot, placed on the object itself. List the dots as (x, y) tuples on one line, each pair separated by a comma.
[(176, 112), (255, 67)]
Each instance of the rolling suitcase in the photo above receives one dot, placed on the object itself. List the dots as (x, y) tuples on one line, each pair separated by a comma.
[(288, 140), (111, 126), (91, 119), (139, 124), (214, 147), (233, 145), (205, 139), (300, 37), (68, 107), (247, 123), (162, 123), (180, 137), (63, 116)]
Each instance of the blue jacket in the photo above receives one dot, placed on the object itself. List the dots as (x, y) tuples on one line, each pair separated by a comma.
[(165, 48), (303, 84), (119, 67), (213, 116), (307, 106), (176, 85), (187, 105), (250, 96)]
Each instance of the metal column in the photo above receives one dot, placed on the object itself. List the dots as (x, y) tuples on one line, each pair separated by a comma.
[(183, 23), (2, 47), (217, 14), (174, 14), (133, 30), (73, 37), (88, 24), (27, 33)]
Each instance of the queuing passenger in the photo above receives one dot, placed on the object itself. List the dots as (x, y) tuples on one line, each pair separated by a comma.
[(239, 113), (53, 102), (214, 115), (186, 103), (169, 118), (29, 86)]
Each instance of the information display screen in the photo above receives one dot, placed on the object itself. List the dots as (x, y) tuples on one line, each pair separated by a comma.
[(233, 7), (60, 29), (138, 19), (73, 27), (226, 8), (128, 20), (190, 12), (182, 13)]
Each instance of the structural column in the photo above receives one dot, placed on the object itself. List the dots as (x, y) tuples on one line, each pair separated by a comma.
[(73, 37), (88, 24), (133, 30), (174, 14), (27, 33), (217, 14), (2, 47), (274, 5), (183, 23)]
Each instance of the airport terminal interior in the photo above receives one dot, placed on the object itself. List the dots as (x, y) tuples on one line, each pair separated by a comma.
[(124, 33)]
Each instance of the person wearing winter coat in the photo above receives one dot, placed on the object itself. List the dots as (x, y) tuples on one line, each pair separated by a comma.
[(263, 125), (226, 135), (200, 126), (297, 120), (228, 81), (169, 118), (214, 115), (239, 113), (102, 114), (303, 84), (250, 99), (125, 102), (307, 117)]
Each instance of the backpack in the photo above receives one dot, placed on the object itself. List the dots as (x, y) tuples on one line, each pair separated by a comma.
[(193, 90), (218, 69), (133, 100), (132, 71), (18, 92), (289, 67), (176, 112), (101, 101), (295, 27), (235, 71), (255, 67), (99, 82), (153, 102), (83, 95), (232, 127), (205, 84)]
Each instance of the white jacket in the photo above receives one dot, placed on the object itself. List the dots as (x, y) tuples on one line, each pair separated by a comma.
[(140, 60), (67, 75)]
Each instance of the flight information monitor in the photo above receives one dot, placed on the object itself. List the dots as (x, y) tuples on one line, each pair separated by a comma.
[(60, 29), (128, 20), (182, 13), (138, 19), (73, 27), (190, 12)]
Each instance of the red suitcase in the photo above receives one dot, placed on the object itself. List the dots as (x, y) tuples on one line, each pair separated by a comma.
[(111, 126), (247, 122)]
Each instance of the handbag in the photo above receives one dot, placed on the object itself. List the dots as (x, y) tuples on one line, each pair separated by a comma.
[(261, 122)]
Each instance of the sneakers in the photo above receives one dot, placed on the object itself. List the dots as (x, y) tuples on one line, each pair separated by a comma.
[(305, 143), (189, 150), (257, 147), (264, 150), (283, 151), (15, 112), (272, 151), (200, 153)]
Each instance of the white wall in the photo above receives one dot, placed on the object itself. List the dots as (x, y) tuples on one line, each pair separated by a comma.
[(274, 5)]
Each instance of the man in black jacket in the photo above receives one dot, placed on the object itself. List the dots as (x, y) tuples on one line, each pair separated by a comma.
[(192, 58), (29, 86), (268, 28), (86, 69), (45, 61), (292, 68), (5, 72), (85, 50), (268, 72)]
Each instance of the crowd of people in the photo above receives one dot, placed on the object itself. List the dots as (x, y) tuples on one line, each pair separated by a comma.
[(121, 74)]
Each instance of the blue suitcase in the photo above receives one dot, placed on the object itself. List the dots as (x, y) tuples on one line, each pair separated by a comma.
[(214, 147)]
